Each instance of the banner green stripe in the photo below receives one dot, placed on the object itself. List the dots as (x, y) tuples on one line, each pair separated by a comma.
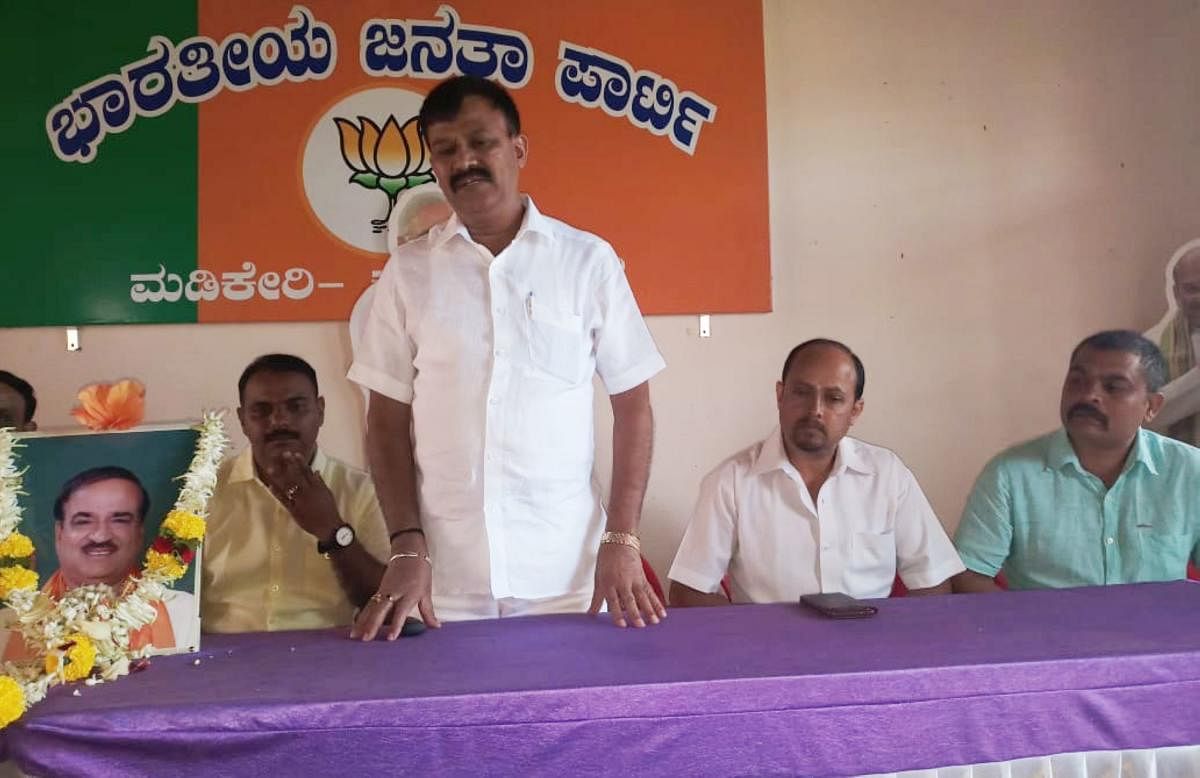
[(74, 232)]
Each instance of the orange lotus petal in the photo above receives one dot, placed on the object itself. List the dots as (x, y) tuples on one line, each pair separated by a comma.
[(91, 400), (111, 406), (84, 418), (90, 411), (126, 404), (418, 161), (351, 136), (368, 140), (391, 154)]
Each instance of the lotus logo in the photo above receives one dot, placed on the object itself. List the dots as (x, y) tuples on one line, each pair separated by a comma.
[(391, 159), (361, 146)]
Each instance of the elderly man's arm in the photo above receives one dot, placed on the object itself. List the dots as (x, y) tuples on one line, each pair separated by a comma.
[(971, 582), (681, 596), (943, 588)]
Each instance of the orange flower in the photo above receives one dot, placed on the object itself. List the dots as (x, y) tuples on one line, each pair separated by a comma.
[(116, 406)]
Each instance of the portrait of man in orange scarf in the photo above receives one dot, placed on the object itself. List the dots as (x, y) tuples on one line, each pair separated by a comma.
[(99, 534)]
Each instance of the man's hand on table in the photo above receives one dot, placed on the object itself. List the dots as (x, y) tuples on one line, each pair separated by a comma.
[(621, 582), (407, 584)]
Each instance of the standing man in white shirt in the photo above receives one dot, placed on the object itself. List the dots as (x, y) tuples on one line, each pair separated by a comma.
[(809, 509), (479, 354)]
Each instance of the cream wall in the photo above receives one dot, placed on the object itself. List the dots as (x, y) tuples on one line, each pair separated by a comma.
[(959, 190)]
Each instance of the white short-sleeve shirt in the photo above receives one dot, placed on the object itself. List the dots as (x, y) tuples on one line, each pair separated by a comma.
[(496, 356), (756, 520)]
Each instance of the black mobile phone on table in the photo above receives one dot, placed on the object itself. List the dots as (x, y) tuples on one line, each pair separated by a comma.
[(837, 605), (412, 627)]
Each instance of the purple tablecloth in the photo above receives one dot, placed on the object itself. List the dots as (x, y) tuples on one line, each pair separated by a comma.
[(770, 689)]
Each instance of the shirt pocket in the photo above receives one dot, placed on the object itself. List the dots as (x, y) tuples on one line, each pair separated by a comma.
[(873, 553), (1162, 556), (557, 344)]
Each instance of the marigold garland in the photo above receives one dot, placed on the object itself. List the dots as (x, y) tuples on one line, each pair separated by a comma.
[(16, 546), (184, 526), (16, 579), (72, 661), (169, 566), (12, 700), (86, 633)]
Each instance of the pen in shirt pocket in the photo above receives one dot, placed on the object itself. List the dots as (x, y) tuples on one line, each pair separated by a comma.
[(529, 305)]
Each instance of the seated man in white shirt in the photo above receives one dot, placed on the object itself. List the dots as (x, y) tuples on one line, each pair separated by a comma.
[(809, 509)]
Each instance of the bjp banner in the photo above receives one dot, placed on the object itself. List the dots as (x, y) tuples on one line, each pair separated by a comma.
[(223, 160)]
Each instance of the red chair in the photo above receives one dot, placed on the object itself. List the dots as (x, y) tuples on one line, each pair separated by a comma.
[(652, 579)]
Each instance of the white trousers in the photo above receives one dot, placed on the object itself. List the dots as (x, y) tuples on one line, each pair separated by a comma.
[(468, 607)]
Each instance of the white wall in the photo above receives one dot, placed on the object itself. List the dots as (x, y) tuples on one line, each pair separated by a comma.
[(960, 191)]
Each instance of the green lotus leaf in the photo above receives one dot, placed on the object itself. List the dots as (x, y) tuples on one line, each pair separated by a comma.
[(366, 180)]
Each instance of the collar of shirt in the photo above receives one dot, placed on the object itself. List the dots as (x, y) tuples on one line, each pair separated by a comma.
[(243, 466), (1060, 453), (533, 221), (773, 456)]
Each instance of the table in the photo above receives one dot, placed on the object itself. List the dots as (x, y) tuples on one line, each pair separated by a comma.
[(755, 689)]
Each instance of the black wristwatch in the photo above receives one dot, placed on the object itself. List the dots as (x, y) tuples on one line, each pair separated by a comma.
[(343, 537)]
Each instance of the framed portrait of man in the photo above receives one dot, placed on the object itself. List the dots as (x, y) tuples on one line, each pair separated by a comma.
[(93, 503), (1178, 336)]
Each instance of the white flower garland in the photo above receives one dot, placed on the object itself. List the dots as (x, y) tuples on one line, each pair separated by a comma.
[(86, 633)]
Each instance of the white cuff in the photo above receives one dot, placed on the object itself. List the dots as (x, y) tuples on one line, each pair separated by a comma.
[(377, 381)]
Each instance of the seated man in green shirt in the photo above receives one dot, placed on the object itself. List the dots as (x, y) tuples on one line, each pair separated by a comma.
[(1100, 501)]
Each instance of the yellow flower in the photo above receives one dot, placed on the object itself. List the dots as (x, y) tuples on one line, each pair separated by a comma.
[(12, 700), (166, 565), (182, 525), (16, 546), (74, 662), (15, 577)]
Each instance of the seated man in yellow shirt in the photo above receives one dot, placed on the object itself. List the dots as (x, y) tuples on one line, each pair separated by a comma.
[(294, 536)]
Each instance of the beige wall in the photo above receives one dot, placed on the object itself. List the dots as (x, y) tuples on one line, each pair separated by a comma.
[(960, 191)]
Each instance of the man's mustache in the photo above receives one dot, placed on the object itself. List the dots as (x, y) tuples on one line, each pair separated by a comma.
[(1083, 409), (458, 179), (276, 435), (90, 547), (809, 424)]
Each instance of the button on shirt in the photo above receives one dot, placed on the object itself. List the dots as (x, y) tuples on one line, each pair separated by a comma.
[(756, 519), (260, 570), (1048, 523), (496, 356)]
